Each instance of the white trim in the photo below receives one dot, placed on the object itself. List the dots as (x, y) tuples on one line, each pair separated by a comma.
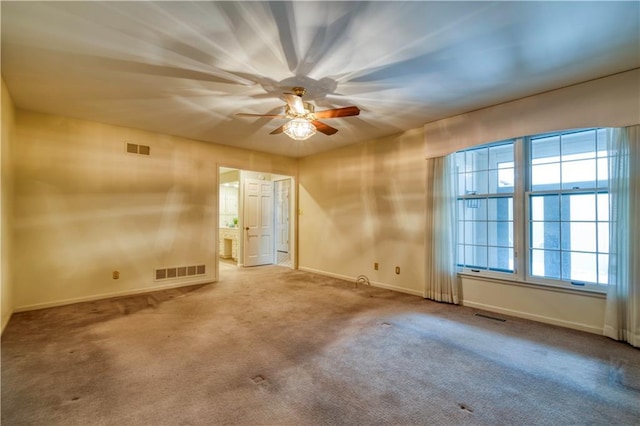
[(110, 295), (372, 283), (4, 325), (538, 318)]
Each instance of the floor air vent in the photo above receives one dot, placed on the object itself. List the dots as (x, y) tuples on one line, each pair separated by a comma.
[(179, 272), (490, 317)]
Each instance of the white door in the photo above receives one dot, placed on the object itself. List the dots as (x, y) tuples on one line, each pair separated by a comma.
[(258, 222), (282, 215)]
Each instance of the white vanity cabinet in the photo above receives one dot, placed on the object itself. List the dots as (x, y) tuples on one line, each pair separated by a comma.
[(229, 243)]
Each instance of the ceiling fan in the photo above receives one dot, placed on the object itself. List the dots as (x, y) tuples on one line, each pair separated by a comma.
[(303, 117)]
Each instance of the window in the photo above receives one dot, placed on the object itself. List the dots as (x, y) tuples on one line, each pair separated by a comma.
[(569, 207), (556, 188), (485, 207)]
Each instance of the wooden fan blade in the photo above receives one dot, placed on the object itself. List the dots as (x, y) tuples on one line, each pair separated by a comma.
[(278, 130), (242, 114), (338, 112), (295, 103), (323, 128)]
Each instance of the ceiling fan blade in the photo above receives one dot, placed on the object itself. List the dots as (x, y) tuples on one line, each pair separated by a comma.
[(295, 103), (338, 112), (242, 114), (323, 128), (278, 130)]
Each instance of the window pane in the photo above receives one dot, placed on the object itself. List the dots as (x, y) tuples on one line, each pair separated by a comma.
[(545, 263), (602, 142), (475, 233), (576, 207), (579, 174), (545, 207), (603, 268), (501, 181), (545, 235), (500, 208), (581, 267), (579, 236), (506, 179), (578, 145), (500, 234), (461, 211), (603, 237), (501, 259), (461, 183), (501, 156), (545, 177), (603, 172), (493, 182), (545, 150), (461, 254), (477, 159), (475, 209), (477, 182), (460, 162), (476, 256), (603, 206)]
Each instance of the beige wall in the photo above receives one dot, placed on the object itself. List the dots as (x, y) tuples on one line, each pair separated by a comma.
[(606, 102), (572, 309), (85, 208), (363, 204), (6, 224)]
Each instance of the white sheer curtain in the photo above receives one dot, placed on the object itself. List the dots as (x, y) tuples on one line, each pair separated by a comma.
[(441, 229), (622, 316)]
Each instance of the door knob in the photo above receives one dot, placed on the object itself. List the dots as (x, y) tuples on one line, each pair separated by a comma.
[(246, 229)]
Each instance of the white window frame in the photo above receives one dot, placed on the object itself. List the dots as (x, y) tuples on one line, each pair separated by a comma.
[(492, 272), (521, 233)]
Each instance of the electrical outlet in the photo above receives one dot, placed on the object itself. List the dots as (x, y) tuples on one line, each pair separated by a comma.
[(116, 275), (375, 266), (397, 270)]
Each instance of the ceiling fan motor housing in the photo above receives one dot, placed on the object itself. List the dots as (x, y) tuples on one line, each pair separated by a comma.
[(299, 91), (309, 110)]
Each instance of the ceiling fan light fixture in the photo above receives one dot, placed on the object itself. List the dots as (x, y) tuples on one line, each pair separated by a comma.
[(299, 129)]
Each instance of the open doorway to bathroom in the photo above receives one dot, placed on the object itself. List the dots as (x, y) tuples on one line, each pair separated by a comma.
[(255, 219), (228, 216)]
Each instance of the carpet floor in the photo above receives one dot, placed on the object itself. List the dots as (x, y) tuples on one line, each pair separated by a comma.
[(276, 346)]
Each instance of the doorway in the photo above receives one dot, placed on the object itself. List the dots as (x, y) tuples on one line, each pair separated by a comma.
[(255, 225)]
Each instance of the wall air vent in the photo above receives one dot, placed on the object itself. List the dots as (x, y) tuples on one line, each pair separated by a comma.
[(133, 148), (179, 272)]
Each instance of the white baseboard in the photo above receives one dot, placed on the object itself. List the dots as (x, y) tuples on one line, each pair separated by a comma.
[(4, 324), (353, 279), (538, 318), (110, 295)]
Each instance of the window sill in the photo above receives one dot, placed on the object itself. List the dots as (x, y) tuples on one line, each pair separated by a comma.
[(547, 287)]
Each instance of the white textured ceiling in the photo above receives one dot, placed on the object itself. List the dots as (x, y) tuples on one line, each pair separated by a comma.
[(186, 68)]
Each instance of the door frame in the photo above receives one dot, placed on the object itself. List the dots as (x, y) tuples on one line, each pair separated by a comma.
[(293, 209)]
